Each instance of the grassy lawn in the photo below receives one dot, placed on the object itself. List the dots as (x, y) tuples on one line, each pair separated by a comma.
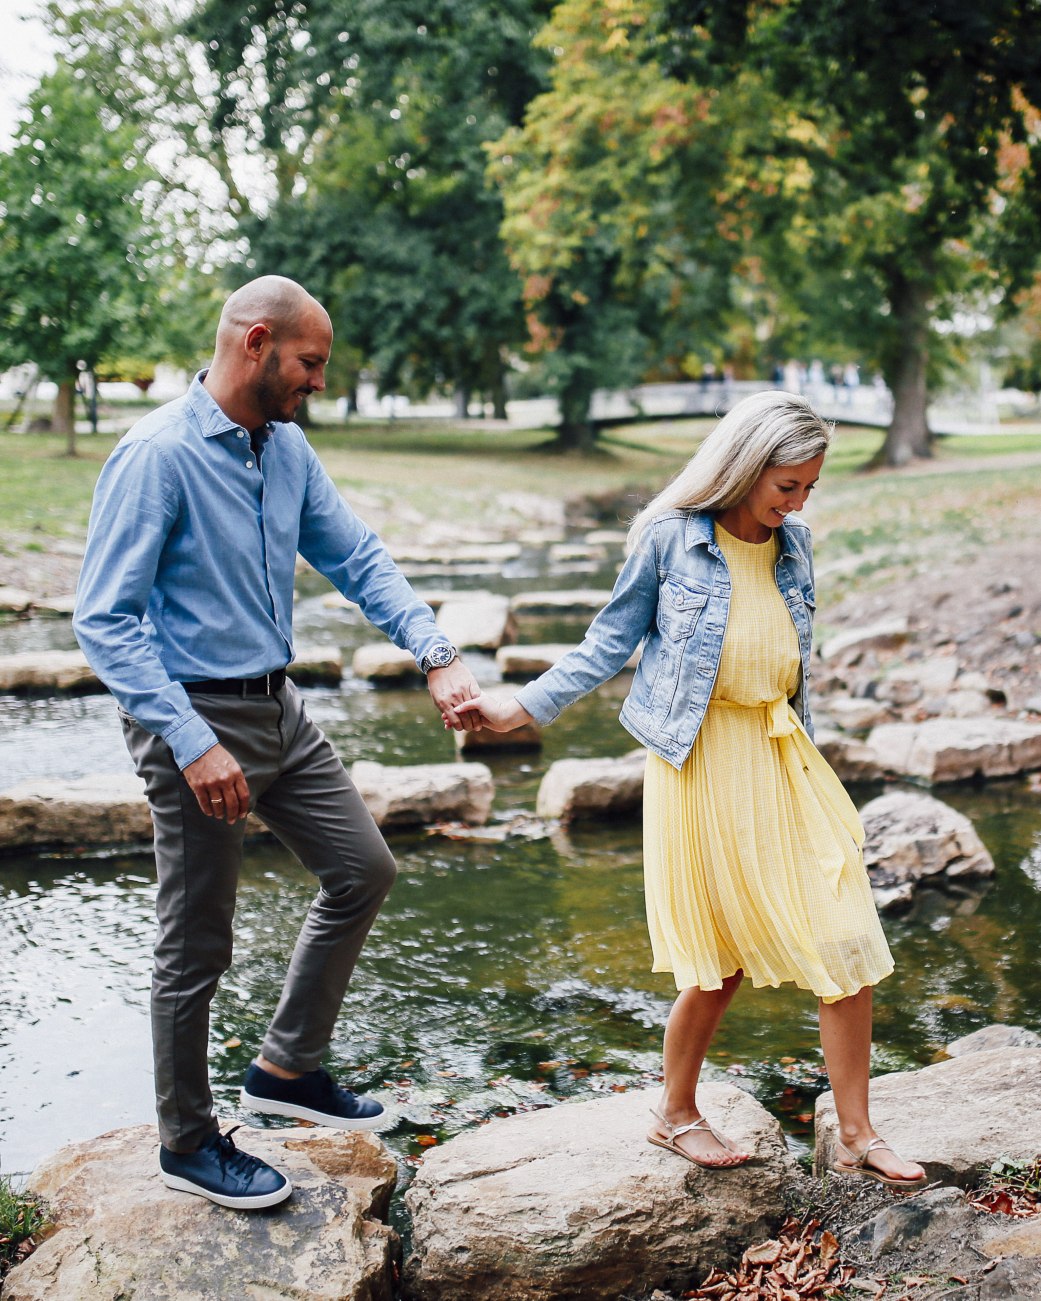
[(454, 476)]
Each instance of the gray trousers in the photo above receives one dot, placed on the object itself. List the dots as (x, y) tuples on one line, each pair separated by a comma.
[(299, 788)]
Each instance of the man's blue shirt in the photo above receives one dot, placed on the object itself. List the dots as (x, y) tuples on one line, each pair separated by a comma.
[(190, 560)]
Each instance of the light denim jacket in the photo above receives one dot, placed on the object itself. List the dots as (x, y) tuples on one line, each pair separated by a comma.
[(674, 595)]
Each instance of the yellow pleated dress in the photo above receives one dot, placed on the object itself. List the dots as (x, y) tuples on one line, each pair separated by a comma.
[(753, 850)]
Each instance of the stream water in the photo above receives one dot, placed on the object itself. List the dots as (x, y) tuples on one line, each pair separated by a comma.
[(502, 974)]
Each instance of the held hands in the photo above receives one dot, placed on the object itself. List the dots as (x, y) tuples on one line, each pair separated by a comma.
[(492, 712), (219, 785), (450, 686)]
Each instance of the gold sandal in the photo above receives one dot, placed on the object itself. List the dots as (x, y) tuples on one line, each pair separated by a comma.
[(857, 1165), (701, 1125)]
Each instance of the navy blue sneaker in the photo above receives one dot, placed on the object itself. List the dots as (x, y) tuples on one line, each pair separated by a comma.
[(313, 1096), (219, 1171)]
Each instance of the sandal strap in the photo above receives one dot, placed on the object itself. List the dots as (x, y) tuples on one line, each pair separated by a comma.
[(873, 1146), (676, 1131)]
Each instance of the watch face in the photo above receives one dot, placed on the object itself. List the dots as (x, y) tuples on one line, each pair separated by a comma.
[(439, 657)]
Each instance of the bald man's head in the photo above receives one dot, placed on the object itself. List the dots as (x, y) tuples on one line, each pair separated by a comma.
[(273, 344), (275, 301)]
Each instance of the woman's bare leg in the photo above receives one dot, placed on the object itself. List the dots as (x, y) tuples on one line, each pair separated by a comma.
[(691, 1026), (846, 1039)]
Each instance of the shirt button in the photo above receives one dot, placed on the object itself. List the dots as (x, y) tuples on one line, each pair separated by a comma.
[(249, 465), (241, 434), (792, 592)]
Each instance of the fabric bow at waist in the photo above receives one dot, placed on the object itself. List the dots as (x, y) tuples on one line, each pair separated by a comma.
[(781, 719)]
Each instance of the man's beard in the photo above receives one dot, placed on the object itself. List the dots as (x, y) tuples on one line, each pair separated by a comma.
[(275, 400)]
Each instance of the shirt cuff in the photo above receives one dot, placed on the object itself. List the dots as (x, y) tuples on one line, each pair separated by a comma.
[(538, 704), (189, 738)]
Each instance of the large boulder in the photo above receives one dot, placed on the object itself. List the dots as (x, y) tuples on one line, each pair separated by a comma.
[(948, 750), (573, 1203), (853, 760), (994, 1036), (850, 645), (485, 624), (911, 838), (956, 1117), (573, 789), (120, 1232), (417, 794), (49, 670)]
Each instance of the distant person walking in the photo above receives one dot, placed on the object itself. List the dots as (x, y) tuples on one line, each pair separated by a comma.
[(185, 611), (752, 848)]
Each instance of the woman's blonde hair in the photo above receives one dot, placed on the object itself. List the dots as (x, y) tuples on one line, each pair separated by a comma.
[(763, 430)]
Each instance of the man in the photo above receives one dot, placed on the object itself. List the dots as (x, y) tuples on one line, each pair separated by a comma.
[(184, 609)]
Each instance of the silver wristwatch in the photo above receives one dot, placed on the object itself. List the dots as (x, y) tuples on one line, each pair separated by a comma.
[(439, 657)]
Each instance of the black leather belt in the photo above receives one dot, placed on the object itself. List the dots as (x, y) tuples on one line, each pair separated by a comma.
[(266, 685)]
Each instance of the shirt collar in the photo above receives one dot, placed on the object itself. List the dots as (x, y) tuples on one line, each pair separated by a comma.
[(701, 531), (213, 420)]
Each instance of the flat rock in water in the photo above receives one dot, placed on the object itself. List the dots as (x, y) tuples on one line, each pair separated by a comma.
[(48, 670), (590, 788), (421, 794), (58, 606), (14, 601), (584, 600), (994, 1036), (571, 1203), (486, 624), (120, 1232), (526, 737), (529, 661), (913, 837), (103, 809), (384, 662), (317, 666), (956, 1118), (951, 750)]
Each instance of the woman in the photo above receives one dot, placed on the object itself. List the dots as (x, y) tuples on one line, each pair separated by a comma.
[(752, 847)]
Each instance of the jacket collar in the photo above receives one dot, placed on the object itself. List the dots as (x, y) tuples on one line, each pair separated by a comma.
[(701, 532)]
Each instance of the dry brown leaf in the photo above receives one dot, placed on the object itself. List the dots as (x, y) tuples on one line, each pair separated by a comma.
[(764, 1253)]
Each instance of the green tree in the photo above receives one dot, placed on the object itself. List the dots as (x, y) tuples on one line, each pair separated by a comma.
[(610, 214), (897, 119), (382, 204), (74, 239)]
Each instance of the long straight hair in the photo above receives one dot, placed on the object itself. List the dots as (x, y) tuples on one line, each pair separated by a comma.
[(760, 431)]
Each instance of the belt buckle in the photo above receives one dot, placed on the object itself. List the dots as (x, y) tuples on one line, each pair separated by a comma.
[(267, 684)]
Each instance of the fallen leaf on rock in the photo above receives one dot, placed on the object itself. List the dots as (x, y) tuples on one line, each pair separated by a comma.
[(766, 1253), (426, 1140)]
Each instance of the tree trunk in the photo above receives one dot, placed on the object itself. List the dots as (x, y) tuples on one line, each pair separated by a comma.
[(462, 401), (65, 414), (576, 431), (908, 435)]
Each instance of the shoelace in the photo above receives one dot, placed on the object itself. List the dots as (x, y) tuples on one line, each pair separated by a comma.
[(239, 1163)]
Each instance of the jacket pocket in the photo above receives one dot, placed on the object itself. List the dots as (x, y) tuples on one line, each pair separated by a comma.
[(679, 608)]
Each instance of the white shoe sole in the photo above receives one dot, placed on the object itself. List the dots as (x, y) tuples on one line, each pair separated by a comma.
[(271, 1107), (233, 1203)]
